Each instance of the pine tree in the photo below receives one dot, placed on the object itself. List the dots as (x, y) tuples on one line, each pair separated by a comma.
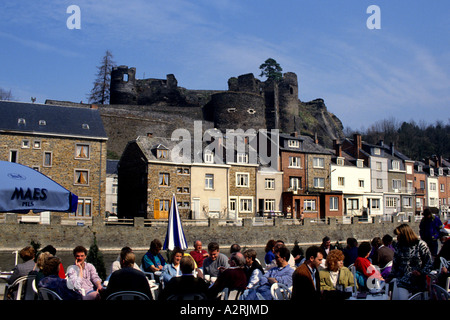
[(271, 69), (100, 92)]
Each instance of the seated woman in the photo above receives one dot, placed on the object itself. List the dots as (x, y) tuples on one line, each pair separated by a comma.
[(172, 269), (364, 268), (335, 276)]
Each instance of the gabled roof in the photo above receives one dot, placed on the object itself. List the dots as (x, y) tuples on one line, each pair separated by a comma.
[(51, 120)]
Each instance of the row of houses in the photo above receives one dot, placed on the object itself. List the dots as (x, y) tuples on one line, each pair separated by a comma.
[(301, 179), (306, 180)]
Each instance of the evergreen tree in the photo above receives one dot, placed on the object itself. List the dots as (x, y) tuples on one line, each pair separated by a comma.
[(100, 92), (95, 256), (271, 69)]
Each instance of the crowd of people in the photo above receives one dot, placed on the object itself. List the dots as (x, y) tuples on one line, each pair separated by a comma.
[(322, 272)]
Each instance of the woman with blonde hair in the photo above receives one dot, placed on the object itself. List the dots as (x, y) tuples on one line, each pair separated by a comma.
[(412, 262), (335, 276)]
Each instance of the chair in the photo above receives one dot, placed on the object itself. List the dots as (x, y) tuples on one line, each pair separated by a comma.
[(127, 295), (438, 293), (445, 263), (21, 289), (187, 296), (47, 294), (419, 296), (227, 294), (280, 291)]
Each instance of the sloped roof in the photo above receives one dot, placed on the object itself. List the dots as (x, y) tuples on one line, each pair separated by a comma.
[(51, 120)]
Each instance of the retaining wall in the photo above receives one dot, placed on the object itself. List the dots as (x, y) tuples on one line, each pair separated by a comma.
[(138, 236)]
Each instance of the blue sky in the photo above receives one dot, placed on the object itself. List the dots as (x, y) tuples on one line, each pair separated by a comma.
[(401, 70)]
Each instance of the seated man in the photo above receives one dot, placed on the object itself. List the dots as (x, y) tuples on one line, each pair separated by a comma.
[(53, 282), (199, 254), (153, 261), (233, 278), (216, 261), (187, 284), (83, 275), (282, 273), (127, 278)]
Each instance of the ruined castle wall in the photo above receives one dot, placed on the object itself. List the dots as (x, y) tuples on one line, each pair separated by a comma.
[(238, 110)]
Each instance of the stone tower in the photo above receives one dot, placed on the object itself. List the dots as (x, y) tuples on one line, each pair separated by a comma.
[(123, 86)]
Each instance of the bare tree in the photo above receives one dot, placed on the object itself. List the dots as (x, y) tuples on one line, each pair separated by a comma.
[(6, 95), (100, 92)]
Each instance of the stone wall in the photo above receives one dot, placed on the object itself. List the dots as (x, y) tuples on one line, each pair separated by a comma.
[(139, 236)]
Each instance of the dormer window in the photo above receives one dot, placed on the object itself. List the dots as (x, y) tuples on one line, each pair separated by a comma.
[(431, 172), (360, 163), (294, 144), (395, 165), (340, 161), (420, 168), (21, 121), (162, 153), (42, 122), (377, 151), (208, 157), (85, 126), (242, 158), (441, 171)]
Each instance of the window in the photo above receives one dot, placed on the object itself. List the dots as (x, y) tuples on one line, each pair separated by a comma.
[(334, 203), (182, 170), (115, 187), (13, 155), (319, 183), (25, 143), (270, 183), (269, 205), (375, 204), (341, 181), (352, 204), (442, 189), (319, 163), (82, 151), (422, 184), (295, 162), (209, 181), (294, 143), (379, 183), (310, 205), (208, 157), (431, 172), (409, 170), (376, 151), (340, 161), (37, 144), (242, 158), (360, 163), (82, 177), (361, 183), (407, 202), (242, 179), (48, 159), (164, 179), (432, 186), (162, 153), (245, 205), (391, 202), (395, 165), (295, 183), (378, 166), (164, 205), (84, 208)]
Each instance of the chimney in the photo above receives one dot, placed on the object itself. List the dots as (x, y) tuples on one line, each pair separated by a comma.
[(381, 143), (294, 134), (357, 145), (338, 148), (392, 148), (316, 140)]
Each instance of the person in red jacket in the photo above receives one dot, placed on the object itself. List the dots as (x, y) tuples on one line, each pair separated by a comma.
[(199, 254), (364, 267)]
